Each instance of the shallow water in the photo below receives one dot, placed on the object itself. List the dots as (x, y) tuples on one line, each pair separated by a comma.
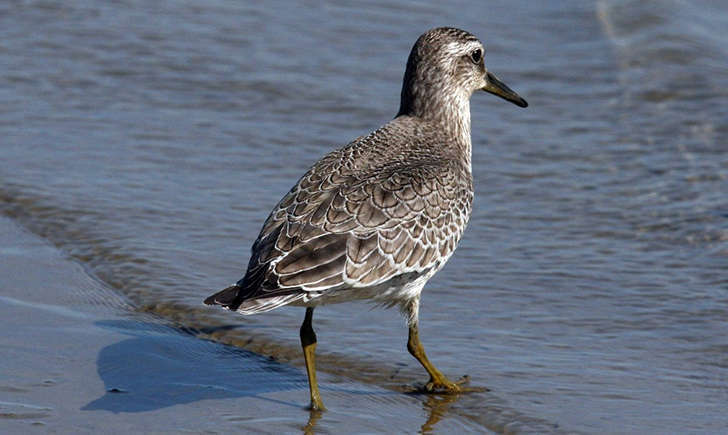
[(590, 289), (77, 359)]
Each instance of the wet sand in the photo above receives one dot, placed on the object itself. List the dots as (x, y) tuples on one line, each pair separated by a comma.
[(78, 358)]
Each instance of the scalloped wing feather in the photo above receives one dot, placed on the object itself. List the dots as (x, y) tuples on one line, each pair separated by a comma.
[(344, 227)]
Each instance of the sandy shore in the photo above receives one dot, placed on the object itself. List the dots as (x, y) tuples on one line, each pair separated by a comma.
[(78, 359)]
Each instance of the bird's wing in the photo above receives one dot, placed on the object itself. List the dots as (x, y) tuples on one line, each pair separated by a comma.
[(333, 230)]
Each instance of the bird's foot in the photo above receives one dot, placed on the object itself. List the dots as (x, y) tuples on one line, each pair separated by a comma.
[(446, 386)]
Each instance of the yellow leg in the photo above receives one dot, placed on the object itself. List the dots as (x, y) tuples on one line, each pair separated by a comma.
[(438, 381), (308, 342)]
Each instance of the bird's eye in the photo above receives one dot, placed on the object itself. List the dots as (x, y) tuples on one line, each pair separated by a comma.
[(476, 55)]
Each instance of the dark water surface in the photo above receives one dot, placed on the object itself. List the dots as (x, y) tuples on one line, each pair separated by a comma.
[(149, 140)]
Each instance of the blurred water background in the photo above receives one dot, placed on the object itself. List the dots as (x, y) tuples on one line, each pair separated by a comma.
[(149, 140)]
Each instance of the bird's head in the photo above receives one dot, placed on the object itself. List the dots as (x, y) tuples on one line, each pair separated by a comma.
[(447, 62)]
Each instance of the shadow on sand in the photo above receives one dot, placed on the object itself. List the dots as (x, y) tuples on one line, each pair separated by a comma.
[(160, 367)]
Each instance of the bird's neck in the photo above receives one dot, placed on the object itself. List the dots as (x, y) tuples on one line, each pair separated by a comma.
[(449, 113)]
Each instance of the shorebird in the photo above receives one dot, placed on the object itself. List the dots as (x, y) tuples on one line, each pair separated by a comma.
[(380, 216)]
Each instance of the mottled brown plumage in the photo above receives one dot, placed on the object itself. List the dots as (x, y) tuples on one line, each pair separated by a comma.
[(378, 217)]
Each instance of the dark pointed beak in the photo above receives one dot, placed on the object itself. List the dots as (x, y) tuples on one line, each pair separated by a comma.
[(497, 87)]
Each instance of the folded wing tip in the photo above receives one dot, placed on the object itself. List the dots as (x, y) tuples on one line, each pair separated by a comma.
[(224, 297)]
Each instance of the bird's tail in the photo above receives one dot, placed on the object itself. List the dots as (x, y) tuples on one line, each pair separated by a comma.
[(227, 297), (231, 299)]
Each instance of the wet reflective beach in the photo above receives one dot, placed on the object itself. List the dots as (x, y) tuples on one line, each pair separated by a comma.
[(147, 143)]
